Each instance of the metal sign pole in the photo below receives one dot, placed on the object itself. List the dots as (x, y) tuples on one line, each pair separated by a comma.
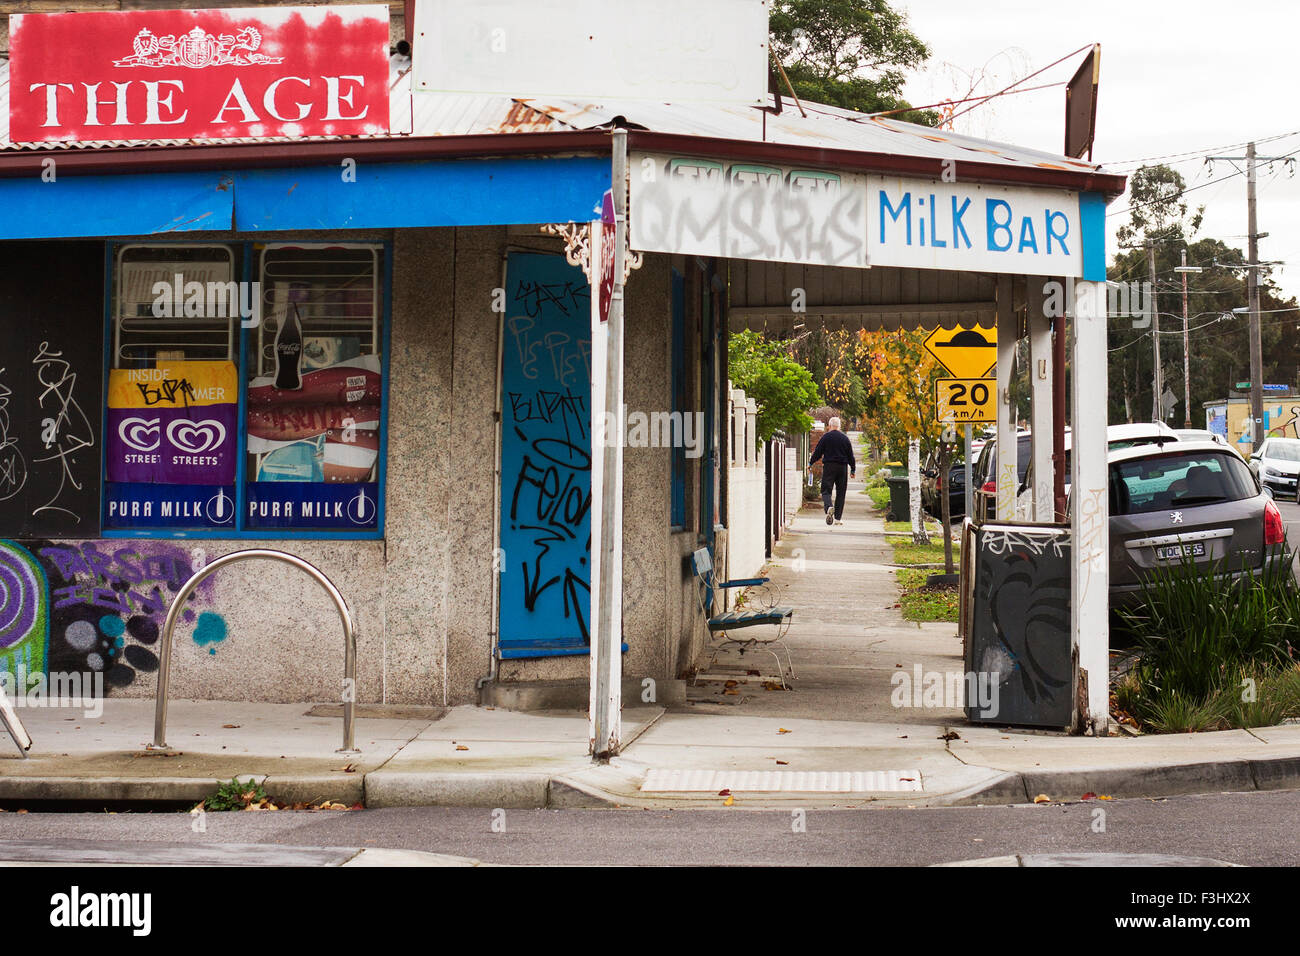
[(970, 492)]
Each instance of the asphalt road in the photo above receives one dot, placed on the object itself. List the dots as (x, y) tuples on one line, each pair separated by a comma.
[(1245, 828)]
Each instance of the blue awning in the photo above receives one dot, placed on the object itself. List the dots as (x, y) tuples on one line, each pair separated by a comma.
[(477, 192), (137, 204)]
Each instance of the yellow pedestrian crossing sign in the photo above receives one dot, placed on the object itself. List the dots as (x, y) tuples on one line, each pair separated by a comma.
[(966, 353)]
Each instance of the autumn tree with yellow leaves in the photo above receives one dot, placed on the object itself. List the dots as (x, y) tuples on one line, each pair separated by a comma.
[(900, 403)]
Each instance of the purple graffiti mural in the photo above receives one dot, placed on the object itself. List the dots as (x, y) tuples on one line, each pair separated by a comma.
[(105, 602)]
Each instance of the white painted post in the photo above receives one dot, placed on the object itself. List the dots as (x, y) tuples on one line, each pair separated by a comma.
[(599, 371), (1089, 505), (919, 535), (751, 432), (1007, 477), (736, 420), (1040, 376), (606, 697)]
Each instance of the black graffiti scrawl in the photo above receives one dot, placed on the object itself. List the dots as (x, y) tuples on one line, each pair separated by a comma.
[(545, 458), (51, 388)]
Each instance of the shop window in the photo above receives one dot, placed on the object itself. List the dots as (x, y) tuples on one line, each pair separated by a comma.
[(314, 386), (245, 390)]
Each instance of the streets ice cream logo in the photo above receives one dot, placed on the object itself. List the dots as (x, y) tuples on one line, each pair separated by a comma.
[(198, 49), (142, 434), (195, 438)]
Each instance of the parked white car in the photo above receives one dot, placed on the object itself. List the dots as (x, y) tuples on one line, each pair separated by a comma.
[(1277, 464)]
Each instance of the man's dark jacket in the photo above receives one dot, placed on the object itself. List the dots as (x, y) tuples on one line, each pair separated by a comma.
[(836, 448)]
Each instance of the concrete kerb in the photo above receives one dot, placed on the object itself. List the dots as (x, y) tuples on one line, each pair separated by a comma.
[(618, 784)]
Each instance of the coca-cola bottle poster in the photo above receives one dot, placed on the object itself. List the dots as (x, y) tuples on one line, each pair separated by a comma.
[(314, 434)]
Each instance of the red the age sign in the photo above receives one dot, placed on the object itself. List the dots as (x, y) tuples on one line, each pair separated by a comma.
[(198, 74)]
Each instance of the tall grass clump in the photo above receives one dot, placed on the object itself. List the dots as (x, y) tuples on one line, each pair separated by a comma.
[(1212, 653)]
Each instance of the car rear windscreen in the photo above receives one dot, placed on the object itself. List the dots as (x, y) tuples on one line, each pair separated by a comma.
[(1164, 482)]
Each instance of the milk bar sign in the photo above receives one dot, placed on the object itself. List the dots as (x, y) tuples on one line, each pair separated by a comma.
[(198, 74), (973, 227)]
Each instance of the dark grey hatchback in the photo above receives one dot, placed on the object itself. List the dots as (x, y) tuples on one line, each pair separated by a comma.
[(1186, 501)]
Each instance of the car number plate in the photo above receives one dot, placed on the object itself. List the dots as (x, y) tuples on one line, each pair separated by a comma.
[(1196, 550)]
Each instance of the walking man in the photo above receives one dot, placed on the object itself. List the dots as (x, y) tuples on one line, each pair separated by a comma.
[(838, 463)]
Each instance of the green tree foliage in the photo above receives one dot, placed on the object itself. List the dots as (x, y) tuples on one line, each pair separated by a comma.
[(1157, 207), (1219, 338), (783, 389), (840, 365), (849, 53)]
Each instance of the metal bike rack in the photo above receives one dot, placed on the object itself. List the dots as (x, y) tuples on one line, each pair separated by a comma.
[(349, 639)]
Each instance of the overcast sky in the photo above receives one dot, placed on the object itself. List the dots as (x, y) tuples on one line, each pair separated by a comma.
[(1187, 77)]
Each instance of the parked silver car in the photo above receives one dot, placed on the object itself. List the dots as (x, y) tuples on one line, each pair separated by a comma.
[(1185, 500), (1276, 463)]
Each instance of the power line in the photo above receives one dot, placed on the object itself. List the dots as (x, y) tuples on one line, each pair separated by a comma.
[(1199, 153)]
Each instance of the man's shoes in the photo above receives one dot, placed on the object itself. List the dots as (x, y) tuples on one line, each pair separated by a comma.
[(839, 521), (830, 516)]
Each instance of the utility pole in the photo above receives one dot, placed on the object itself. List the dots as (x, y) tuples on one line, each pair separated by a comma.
[(1157, 385), (1187, 360), (1252, 280)]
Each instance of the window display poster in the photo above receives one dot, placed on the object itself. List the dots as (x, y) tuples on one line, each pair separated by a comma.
[(313, 436), (170, 454)]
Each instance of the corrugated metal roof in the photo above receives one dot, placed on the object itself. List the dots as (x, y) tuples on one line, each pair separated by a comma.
[(824, 127)]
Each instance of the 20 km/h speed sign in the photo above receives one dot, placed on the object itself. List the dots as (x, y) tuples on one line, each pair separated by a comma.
[(965, 400)]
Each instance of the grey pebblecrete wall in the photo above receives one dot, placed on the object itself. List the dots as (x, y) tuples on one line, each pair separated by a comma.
[(422, 597)]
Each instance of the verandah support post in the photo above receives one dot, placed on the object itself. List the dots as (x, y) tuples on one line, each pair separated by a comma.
[(1040, 411), (1089, 507), (1007, 476), (606, 700)]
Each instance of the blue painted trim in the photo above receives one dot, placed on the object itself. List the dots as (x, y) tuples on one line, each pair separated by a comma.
[(386, 367), (472, 192), (226, 534), (241, 429), (240, 532), (518, 653), (110, 257), (100, 206), (475, 192), (1092, 226)]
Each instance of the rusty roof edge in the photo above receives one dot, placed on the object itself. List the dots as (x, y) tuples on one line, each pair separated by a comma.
[(1003, 174), (136, 159)]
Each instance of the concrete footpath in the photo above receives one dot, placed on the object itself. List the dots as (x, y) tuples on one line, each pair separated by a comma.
[(493, 758), (835, 739)]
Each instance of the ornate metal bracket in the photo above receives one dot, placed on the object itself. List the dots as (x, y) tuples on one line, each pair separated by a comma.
[(577, 247)]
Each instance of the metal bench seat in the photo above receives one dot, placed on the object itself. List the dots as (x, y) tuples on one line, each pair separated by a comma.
[(777, 618), (735, 619)]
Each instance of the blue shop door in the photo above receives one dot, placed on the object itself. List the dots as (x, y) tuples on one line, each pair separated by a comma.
[(546, 456)]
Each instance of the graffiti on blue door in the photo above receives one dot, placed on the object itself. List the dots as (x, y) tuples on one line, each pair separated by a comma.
[(546, 457)]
